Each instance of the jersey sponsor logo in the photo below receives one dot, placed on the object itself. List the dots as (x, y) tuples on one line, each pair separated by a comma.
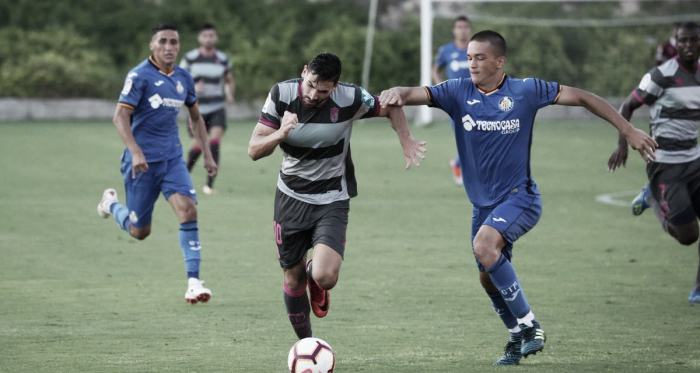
[(468, 122), (506, 104), (180, 88), (506, 127), (127, 87), (334, 114), (156, 102), (159, 83), (367, 98), (472, 102), (645, 82)]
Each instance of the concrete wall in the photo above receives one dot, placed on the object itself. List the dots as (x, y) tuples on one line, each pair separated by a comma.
[(16, 110)]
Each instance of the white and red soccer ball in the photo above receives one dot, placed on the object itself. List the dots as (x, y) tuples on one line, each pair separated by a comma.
[(311, 355)]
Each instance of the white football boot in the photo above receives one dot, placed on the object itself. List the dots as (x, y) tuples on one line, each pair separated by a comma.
[(196, 292), (108, 198)]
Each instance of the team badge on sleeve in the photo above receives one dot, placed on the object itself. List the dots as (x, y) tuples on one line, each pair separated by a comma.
[(505, 104), (127, 87), (367, 98), (645, 82)]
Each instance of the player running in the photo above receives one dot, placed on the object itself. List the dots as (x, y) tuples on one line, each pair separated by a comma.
[(146, 120), (496, 114), (672, 92), (311, 120)]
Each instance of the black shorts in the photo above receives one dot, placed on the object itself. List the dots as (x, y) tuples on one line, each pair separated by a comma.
[(674, 186), (217, 118), (299, 226)]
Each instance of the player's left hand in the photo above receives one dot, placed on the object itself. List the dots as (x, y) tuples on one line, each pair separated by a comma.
[(412, 150), (210, 166), (390, 97), (642, 143)]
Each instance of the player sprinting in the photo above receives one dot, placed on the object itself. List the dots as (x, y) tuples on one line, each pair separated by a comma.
[(214, 85), (672, 91), (495, 115), (311, 120), (146, 120), (452, 57)]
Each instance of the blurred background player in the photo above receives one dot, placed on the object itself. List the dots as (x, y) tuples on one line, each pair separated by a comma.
[(146, 120), (672, 91), (497, 113), (311, 119), (452, 57), (211, 70), (667, 50)]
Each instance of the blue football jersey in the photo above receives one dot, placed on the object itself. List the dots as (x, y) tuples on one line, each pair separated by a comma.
[(454, 60), (493, 131), (156, 97)]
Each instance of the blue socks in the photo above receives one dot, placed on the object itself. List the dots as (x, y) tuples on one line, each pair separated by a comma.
[(191, 248), (501, 308), (503, 277), (121, 215)]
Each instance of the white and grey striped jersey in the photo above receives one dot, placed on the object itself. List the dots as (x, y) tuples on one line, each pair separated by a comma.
[(210, 70), (317, 167), (673, 96)]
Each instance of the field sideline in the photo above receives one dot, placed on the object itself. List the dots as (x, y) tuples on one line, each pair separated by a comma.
[(79, 295)]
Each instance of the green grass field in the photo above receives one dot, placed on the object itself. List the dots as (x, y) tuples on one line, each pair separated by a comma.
[(79, 295)]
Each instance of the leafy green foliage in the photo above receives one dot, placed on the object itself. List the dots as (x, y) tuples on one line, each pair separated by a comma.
[(79, 48)]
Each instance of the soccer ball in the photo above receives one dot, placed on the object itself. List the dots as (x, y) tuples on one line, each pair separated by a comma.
[(311, 355)]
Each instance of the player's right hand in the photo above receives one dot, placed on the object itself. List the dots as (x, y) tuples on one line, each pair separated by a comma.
[(390, 97), (138, 163), (289, 122)]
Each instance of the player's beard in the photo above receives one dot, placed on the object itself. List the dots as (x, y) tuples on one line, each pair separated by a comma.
[(309, 103)]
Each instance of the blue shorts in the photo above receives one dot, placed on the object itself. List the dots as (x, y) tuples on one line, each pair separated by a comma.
[(168, 177), (512, 218)]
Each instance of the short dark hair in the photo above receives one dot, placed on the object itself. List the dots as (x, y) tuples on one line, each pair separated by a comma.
[(498, 43), (163, 26), (689, 26), (327, 66), (462, 18), (207, 26)]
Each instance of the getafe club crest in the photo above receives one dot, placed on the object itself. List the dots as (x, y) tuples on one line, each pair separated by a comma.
[(334, 114), (505, 104), (180, 88)]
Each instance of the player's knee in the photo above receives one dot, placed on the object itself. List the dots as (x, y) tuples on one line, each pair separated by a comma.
[(295, 280), (686, 234), (687, 239), (485, 253), (326, 279), (140, 233)]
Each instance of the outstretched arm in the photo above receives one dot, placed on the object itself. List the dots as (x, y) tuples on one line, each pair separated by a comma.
[(265, 139), (619, 155), (199, 130), (412, 149), (637, 139), (400, 96)]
